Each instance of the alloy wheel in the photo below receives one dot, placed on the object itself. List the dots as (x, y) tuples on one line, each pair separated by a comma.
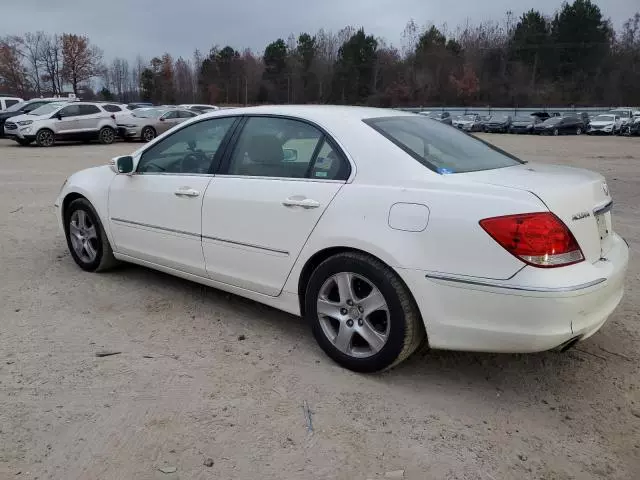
[(45, 138), (353, 314), (83, 235), (107, 135)]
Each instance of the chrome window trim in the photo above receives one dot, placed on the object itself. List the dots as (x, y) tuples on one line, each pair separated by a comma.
[(243, 244), (288, 179)]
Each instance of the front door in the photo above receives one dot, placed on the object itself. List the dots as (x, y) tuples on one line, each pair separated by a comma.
[(156, 214), (266, 200), (68, 122), (168, 120)]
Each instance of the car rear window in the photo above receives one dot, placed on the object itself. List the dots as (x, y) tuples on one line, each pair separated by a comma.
[(440, 147), (112, 108)]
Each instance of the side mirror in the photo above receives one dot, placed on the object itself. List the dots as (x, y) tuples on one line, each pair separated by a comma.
[(162, 119), (290, 154), (123, 165)]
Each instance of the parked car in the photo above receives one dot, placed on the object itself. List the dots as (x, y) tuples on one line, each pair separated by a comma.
[(625, 114), (137, 105), (607, 123), (471, 122), (6, 102), (506, 256), (524, 124), (632, 128), (565, 125), (499, 123), (119, 111), (442, 117), (147, 123), (199, 108), (62, 121), (24, 107)]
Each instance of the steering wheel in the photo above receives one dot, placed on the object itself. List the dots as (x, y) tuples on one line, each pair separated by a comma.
[(194, 162)]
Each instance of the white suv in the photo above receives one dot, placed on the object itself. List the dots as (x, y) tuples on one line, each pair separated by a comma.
[(62, 121)]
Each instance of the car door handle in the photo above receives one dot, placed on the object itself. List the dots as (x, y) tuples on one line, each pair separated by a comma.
[(301, 202), (187, 192)]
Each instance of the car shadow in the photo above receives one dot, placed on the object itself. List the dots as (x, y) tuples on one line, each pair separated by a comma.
[(518, 375)]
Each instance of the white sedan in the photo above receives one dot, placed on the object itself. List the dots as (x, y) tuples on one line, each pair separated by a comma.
[(379, 227)]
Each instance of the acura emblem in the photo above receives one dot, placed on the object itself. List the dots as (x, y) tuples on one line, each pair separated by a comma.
[(605, 189)]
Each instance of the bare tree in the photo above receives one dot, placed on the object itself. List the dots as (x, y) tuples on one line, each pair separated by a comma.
[(34, 53), (52, 62), (82, 61), (183, 80), (13, 75)]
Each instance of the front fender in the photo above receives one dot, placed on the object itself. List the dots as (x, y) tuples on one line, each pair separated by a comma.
[(93, 184)]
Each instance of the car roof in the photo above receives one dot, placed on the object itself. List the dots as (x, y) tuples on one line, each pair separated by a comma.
[(322, 114)]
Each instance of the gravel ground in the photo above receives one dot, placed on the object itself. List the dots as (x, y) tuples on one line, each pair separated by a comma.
[(204, 374)]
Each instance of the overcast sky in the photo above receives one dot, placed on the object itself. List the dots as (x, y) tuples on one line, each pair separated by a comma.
[(151, 27)]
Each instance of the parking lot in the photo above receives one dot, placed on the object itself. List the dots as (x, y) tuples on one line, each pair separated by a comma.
[(204, 374)]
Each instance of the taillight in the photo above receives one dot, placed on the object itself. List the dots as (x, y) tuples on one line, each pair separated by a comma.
[(539, 239)]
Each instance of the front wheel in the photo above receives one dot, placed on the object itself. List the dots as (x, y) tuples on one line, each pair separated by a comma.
[(86, 238), (45, 138), (361, 313), (148, 134), (107, 136)]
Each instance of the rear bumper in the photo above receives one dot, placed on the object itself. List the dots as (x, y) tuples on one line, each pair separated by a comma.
[(128, 132), (518, 315)]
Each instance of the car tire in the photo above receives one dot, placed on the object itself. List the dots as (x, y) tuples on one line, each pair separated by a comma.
[(45, 138), (578, 131), (147, 134), (556, 132), (396, 328), (86, 238), (106, 135), (24, 142)]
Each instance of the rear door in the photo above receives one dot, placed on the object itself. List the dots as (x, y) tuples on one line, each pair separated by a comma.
[(167, 121), (266, 200), (89, 120)]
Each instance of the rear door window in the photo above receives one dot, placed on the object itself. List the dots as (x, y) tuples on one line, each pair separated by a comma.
[(88, 110)]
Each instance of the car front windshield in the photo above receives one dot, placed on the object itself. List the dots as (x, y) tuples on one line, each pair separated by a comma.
[(439, 147), (605, 118), (468, 117), (621, 113), (46, 109), (148, 113), (16, 107)]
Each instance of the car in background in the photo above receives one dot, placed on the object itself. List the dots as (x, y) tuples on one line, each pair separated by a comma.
[(147, 123), (470, 122), (419, 233), (632, 129), (62, 121), (137, 105), (565, 125), (605, 123), (524, 124), (6, 102), (25, 107), (199, 107), (498, 123), (118, 110), (442, 117), (625, 114)]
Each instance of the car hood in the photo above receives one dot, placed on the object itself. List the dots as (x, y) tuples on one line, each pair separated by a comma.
[(602, 123), (568, 192), (35, 118)]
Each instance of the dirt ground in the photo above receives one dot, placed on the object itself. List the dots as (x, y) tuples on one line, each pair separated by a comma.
[(186, 387)]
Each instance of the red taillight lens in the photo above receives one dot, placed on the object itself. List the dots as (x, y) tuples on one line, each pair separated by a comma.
[(539, 239)]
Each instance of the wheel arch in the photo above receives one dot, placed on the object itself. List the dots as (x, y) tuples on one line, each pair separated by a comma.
[(320, 256)]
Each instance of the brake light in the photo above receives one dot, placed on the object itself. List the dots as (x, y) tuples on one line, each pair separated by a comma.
[(539, 239)]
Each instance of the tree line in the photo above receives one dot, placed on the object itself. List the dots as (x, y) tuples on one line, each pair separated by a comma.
[(573, 56)]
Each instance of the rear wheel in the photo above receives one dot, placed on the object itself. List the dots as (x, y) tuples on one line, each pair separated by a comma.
[(148, 134), (556, 132), (86, 238), (361, 313), (45, 138), (107, 135)]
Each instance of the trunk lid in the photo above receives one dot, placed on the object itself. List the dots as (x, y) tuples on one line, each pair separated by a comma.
[(578, 197)]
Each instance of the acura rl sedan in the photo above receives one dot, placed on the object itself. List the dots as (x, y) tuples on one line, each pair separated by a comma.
[(382, 229)]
